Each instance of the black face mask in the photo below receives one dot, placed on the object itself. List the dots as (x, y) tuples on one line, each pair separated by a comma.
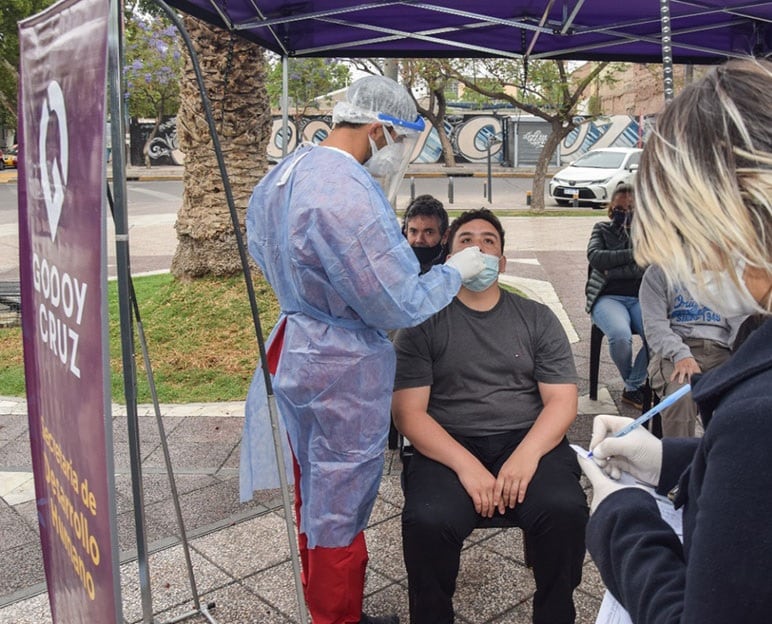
[(428, 255), (620, 216)]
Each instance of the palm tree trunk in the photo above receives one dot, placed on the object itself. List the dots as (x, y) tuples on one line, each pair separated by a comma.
[(234, 75)]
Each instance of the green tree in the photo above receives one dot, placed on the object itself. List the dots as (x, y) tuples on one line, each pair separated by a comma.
[(542, 88), (11, 12), (310, 79), (153, 70)]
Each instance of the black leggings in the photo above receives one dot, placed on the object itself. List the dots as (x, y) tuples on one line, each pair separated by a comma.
[(439, 514)]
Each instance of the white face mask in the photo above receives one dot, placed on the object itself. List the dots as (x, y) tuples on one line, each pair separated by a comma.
[(386, 161), (721, 293), (388, 164)]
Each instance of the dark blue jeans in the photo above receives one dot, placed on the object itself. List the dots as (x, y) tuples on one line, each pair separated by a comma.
[(438, 516), (619, 317)]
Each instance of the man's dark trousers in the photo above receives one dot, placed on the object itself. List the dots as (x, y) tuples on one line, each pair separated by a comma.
[(439, 514)]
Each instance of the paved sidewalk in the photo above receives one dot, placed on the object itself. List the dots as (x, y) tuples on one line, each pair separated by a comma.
[(240, 552)]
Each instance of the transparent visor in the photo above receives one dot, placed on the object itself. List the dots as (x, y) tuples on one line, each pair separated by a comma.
[(389, 164)]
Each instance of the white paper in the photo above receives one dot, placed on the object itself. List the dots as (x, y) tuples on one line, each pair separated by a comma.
[(611, 612)]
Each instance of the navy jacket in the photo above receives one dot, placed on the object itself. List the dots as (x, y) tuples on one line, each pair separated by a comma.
[(721, 573)]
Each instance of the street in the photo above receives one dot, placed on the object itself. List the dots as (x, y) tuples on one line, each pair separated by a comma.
[(152, 210)]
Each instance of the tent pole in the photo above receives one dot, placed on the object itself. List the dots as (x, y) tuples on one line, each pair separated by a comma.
[(123, 270), (667, 50), (284, 105)]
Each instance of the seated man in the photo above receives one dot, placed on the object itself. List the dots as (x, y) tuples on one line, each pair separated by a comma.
[(684, 338), (485, 391), (426, 228)]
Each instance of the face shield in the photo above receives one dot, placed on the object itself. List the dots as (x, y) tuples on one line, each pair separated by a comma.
[(389, 164)]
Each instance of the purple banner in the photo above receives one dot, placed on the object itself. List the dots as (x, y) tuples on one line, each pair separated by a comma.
[(62, 233)]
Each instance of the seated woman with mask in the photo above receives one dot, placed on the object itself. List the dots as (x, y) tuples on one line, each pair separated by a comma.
[(612, 292)]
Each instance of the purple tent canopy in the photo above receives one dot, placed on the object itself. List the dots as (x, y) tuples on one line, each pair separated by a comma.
[(703, 31)]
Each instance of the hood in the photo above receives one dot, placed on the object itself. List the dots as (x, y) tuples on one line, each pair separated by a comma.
[(584, 174)]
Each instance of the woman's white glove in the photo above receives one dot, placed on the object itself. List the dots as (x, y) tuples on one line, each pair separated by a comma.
[(468, 262), (638, 452), (602, 485)]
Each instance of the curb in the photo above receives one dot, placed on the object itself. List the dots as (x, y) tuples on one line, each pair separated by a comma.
[(469, 174), (150, 178)]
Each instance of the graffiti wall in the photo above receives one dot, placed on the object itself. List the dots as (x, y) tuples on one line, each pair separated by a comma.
[(163, 149), (514, 141), (469, 135), (612, 131)]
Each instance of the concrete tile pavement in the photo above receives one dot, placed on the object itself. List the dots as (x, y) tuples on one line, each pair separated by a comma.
[(240, 553)]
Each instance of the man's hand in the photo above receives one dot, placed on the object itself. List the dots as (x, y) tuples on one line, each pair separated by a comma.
[(684, 369), (479, 484), (513, 479)]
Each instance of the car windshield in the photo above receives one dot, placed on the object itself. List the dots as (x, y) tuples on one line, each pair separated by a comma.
[(600, 160)]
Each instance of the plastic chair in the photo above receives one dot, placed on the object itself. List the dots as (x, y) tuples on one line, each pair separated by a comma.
[(596, 342)]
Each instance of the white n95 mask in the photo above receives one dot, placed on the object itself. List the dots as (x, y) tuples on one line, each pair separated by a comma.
[(486, 277), (719, 291), (387, 160), (388, 164)]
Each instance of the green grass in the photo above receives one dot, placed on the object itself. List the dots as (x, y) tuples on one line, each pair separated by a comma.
[(200, 338)]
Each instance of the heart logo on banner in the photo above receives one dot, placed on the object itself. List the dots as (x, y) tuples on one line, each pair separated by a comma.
[(54, 179)]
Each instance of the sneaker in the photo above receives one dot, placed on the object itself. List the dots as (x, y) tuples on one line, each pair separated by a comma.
[(381, 619), (633, 397)]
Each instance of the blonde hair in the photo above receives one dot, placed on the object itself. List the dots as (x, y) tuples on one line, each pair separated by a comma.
[(704, 186)]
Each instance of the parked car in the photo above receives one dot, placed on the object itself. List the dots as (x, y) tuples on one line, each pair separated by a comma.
[(595, 175), (10, 157)]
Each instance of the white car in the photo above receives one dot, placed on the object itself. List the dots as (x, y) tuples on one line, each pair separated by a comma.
[(594, 176)]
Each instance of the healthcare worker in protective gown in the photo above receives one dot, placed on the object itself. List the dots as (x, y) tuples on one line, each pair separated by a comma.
[(321, 228)]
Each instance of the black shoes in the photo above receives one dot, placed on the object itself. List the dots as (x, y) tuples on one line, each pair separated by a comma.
[(381, 619), (633, 397)]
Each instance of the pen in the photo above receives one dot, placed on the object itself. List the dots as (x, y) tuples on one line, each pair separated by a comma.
[(647, 416)]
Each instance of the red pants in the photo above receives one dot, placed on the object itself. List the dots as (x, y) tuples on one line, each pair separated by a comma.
[(333, 578)]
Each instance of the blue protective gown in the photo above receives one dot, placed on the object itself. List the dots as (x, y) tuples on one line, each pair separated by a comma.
[(328, 242)]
